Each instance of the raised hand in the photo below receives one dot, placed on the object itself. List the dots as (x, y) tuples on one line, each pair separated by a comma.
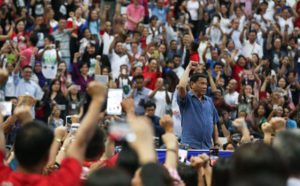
[(167, 123), (96, 90), (23, 114), (278, 124), (128, 105)]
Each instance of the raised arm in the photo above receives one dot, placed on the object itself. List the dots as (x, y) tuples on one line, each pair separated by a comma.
[(184, 81), (2, 137), (86, 130)]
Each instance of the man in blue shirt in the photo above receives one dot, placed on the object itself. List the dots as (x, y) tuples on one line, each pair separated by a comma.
[(198, 113), (160, 11)]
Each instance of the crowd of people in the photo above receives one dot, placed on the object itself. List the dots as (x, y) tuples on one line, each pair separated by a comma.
[(191, 72)]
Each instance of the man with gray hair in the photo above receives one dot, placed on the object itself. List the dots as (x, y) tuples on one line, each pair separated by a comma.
[(287, 144)]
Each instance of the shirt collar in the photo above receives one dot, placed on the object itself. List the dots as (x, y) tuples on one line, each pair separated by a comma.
[(193, 95)]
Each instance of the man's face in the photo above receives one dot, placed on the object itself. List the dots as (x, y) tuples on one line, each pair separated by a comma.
[(177, 61), (252, 36), (232, 85), (62, 24), (119, 47), (186, 40), (215, 54), (108, 26), (150, 111), (200, 86), (173, 45), (27, 73), (160, 3), (139, 84), (218, 68)]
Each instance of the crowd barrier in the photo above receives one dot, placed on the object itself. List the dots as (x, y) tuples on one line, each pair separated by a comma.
[(161, 154)]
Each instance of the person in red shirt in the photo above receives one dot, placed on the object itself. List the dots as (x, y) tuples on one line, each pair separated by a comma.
[(33, 143), (151, 73)]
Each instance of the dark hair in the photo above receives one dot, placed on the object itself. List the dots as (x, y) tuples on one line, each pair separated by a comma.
[(50, 38), (53, 82), (128, 160), (287, 144), (218, 63), (82, 64), (32, 144), (256, 109), (176, 55), (151, 59), (262, 179), (258, 158), (155, 174), (171, 79), (138, 77), (188, 174), (149, 104), (253, 31), (96, 146), (195, 77), (108, 177), (194, 46), (229, 143), (153, 18), (221, 172), (33, 39)]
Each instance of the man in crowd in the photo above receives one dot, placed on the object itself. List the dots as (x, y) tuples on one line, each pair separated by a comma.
[(199, 115)]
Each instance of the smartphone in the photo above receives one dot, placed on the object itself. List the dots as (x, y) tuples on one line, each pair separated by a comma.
[(68, 122), (213, 156), (74, 127)]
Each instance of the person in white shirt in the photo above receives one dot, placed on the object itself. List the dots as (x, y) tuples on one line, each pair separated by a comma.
[(235, 34), (161, 97), (178, 69), (107, 38), (49, 57), (250, 46), (285, 21), (118, 57), (231, 97)]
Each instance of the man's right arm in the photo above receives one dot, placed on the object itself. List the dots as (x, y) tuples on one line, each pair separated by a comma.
[(184, 82)]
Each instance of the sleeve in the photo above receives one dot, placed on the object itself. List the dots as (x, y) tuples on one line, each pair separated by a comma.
[(16, 78), (4, 170), (181, 101), (68, 174), (39, 93), (215, 113), (76, 71)]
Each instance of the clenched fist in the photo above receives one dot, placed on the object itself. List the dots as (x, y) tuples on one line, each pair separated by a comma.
[(96, 90), (167, 123), (128, 105)]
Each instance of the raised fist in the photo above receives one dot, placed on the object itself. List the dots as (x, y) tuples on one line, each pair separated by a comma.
[(96, 90), (167, 123), (128, 105)]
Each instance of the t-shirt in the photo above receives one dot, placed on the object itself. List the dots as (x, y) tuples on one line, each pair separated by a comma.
[(68, 174), (26, 56), (135, 12)]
